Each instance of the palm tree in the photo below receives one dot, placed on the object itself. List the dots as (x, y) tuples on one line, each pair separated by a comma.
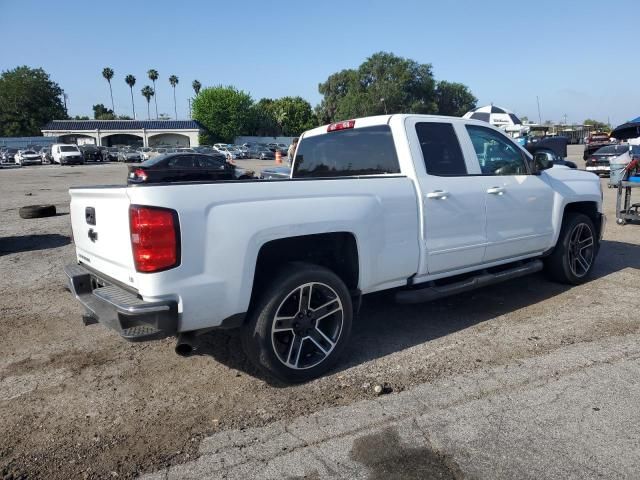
[(131, 81), (148, 92), (107, 73), (196, 86), (153, 76), (173, 80)]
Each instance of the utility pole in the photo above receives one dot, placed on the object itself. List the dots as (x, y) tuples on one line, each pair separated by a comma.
[(539, 114)]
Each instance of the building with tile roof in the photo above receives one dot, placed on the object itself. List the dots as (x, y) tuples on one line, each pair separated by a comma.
[(139, 133)]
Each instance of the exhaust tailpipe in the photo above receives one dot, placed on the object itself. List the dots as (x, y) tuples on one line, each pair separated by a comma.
[(186, 344)]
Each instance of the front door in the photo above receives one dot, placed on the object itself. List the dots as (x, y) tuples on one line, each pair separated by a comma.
[(519, 203), (453, 203)]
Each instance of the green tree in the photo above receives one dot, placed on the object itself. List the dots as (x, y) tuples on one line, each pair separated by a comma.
[(224, 111), (100, 112), (263, 121), (148, 92), (131, 81), (196, 86), (28, 100), (173, 80), (153, 76), (81, 117), (384, 83), (107, 73), (454, 99), (292, 115), (600, 126)]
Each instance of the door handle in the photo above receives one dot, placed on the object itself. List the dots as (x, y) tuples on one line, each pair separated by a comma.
[(439, 194), (496, 190)]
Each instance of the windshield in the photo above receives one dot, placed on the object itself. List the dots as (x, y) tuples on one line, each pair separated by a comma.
[(68, 148), (613, 149)]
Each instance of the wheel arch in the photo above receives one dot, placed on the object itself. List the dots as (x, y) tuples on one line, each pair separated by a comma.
[(337, 251), (586, 207)]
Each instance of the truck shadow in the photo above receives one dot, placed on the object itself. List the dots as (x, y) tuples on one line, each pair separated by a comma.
[(384, 327), (29, 243)]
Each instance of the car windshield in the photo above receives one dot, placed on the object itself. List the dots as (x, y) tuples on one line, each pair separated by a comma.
[(68, 148), (613, 149), (29, 152)]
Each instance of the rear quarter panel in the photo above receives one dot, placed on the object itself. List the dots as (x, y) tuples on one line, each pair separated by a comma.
[(223, 227)]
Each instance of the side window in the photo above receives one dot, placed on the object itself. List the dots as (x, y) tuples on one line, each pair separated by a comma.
[(344, 153), (496, 154), (440, 149), (181, 161), (209, 162)]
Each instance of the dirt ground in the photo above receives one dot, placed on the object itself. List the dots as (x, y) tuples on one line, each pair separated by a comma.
[(80, 402)]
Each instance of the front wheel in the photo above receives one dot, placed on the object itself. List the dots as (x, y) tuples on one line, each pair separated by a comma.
[(574, 256), (300, 324)]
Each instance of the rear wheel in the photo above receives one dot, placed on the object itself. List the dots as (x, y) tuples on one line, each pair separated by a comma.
[(575, 253), (300, 325)]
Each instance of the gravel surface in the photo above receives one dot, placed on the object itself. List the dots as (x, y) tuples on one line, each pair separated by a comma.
[(79, 401)]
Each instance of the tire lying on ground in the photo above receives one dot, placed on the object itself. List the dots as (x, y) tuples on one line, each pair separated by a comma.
[(37, 211)]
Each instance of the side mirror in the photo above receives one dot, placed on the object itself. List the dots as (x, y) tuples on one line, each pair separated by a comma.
[(542, 161)]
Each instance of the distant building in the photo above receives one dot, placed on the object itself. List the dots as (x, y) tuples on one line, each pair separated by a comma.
[(139, 133)]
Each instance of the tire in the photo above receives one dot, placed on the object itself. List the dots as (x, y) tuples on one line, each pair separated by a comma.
[(573, 258), (37, 211), (310, 338)]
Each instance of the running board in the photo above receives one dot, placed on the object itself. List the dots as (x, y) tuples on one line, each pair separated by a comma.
[(484, 278)]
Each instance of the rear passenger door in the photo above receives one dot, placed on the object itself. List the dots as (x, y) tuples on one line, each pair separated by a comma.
[(180, 168), (519, 203), (453, 202)]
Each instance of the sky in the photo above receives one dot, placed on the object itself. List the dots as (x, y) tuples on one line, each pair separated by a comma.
[(578, 58)]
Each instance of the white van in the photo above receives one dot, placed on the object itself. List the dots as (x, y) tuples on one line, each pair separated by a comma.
[(66, 154)]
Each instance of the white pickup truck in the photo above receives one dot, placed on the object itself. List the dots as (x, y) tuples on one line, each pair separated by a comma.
[(426, 205)]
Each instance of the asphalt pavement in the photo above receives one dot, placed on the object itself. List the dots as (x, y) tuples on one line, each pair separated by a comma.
[(568, 414)]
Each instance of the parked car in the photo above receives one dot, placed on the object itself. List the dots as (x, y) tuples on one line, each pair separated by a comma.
[(275, 173), (598, 162), (90, 153), (181, 167), (126, 155), (206, 149), (594, 142), (144, 152), (27, 157), (8, 155), (287, 262), (66, 154), (262, 153), (229, 153)]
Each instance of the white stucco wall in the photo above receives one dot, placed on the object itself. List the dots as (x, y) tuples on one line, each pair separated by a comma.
[(98, 135)]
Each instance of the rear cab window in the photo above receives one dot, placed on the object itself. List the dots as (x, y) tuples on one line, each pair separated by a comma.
[(440, 149), (346, 153)]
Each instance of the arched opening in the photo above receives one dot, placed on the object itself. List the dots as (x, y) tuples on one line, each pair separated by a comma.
[(169, 139), (119, 139), (77, 138)]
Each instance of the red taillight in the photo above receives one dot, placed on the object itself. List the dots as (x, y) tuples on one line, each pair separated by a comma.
[(334, 127), (141, 174), (155, 238)]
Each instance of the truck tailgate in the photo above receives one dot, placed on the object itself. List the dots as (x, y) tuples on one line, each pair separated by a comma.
[(100, 222)]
